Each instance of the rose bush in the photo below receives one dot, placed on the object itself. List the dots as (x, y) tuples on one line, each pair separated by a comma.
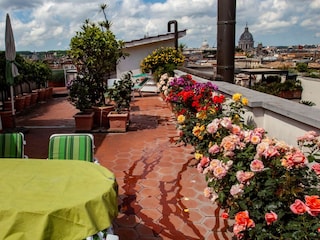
[(269, 188)]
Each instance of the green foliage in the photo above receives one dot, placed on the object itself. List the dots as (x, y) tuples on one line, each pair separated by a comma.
[(120, 93), (95, 53), (308, 103), (57, 76), (80, 92), (302, 67), (29, 71), (276, 87)]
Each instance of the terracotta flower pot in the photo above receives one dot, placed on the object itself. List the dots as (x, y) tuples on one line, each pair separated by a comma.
[(7, 120), (84, 121), (34, 98), (19, 103), (27, 101), (101, 116), (118, 121)]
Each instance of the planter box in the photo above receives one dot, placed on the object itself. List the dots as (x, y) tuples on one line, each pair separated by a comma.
[(101, 116), (296, 94), (19, 103), (7, 120), (118, 122), (34, 98), (83, 122)]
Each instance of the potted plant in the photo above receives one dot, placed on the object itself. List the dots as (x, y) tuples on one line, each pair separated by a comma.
[(120, 95), (290, 89), (162, 60), (95, 51), (79, 96)]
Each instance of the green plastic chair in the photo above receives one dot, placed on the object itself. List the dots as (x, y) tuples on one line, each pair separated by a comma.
[(71, 146), (12, 145), (137, 87)]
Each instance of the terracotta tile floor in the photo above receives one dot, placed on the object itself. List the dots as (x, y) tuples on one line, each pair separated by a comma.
[(160, 191)]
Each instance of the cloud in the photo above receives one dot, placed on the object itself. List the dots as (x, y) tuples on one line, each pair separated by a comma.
[(48, 25)]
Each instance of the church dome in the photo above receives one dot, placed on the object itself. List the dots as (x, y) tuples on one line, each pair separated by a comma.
[(204, 44), (246, 42), (246, 35)]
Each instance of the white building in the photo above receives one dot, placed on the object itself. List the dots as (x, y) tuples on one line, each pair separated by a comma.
[(141, 48)]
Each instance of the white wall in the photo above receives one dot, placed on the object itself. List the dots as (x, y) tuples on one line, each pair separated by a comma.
[(281, 118), (311, 90), (137, 54)]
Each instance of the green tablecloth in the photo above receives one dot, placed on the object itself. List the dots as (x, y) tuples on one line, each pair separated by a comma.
[(52, 199)]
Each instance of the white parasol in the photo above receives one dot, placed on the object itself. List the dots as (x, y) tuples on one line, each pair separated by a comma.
[(11, 68)]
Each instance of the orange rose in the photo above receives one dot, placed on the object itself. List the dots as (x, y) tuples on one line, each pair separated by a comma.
[(313, 204), (242, 218)]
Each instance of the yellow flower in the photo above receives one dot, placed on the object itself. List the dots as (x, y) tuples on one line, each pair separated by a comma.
[(212, 110), (181, 119), (198, 156), (244, 101), (202, 115), (236, 97), (196, 131)]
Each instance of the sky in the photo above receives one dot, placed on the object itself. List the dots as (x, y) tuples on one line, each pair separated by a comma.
[(44, 25)]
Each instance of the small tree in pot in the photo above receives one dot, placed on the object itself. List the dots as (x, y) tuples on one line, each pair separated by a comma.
[(95, 52), (120, 95)]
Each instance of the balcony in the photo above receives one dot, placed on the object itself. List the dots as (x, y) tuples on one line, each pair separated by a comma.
[(281, 118)]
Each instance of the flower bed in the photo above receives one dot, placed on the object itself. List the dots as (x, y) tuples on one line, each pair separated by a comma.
[(269, 189)]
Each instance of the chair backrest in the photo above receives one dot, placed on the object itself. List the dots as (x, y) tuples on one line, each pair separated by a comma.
[(141, 84), (12, 145), (71, 147)]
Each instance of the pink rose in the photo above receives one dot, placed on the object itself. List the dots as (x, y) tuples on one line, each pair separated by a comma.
[(213, 126), (255, 139), (214, 163), (244, 176), (214, 149), (299, 158), (236, 129), (308, 136), (219, 172), (270, 152), (228, 144), (204, 161), (207, 192), (270, 217), (316, 168), (226, 123), (256, 166), (199, 168), (236, 190), (237, 229), (298, 207)]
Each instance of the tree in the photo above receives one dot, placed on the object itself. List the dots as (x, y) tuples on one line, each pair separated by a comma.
[(95, 52), (302, 67)]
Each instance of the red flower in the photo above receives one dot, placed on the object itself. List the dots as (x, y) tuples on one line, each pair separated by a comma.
[(225, 215)]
